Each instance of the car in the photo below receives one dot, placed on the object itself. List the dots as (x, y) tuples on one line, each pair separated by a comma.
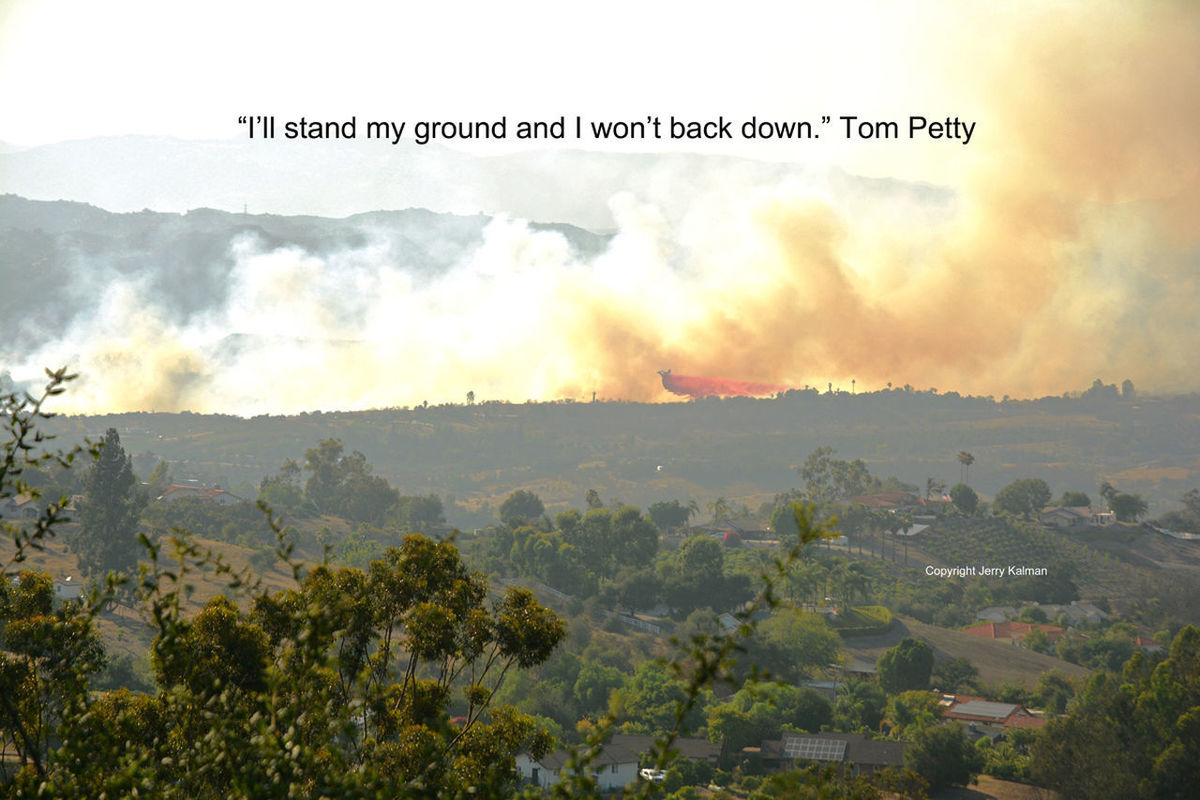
[(653, 775)]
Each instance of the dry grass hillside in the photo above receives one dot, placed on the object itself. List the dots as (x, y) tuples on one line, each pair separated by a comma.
[(997, 662)]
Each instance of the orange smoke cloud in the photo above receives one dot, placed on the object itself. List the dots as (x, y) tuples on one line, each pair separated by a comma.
[(1072, 251)]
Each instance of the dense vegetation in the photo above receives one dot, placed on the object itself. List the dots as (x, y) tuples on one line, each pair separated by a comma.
[(397, 668)]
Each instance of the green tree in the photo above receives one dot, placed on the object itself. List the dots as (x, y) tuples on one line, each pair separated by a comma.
[(343, 484), (828, 479), (906, 666), (761, 711), (913, 711), (942, 755), (216, 648), (1024, 497), (634, 538), (965, 459), (108, 514), (964, 498), (669, 515), (1075, 500), (719, 508), (522, 507), (282, 491), (859, 706), (955, 674), (793, 645), (419, 514), (47, 656), (159, 479), (1126, 507)]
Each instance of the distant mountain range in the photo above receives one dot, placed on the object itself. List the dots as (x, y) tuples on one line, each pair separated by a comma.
[(69, 251), (340, 178)]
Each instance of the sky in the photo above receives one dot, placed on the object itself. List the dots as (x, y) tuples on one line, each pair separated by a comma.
[(1069, 251), (71, 70)]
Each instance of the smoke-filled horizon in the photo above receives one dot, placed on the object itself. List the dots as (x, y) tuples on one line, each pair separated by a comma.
[(1069, 252)]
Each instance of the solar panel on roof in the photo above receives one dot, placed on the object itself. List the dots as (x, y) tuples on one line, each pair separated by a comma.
[(814, 749)]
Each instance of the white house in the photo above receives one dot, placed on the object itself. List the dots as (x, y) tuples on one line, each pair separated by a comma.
[(615, 768), (1077, 517), (67, 588), (22, 506)]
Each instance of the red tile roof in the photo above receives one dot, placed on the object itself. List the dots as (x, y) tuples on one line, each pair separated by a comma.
[(1012, 630)]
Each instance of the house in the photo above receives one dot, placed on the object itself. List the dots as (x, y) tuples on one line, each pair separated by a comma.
[(216, 494), (1014, 632), (745, 529), (21, 506), (827, 689), (885, 501), (614, 768), (1077, 613), (996, 613), (688, 747), (1074, 517), (858, 754), (1147, 645), (67, 588), (986, 717)]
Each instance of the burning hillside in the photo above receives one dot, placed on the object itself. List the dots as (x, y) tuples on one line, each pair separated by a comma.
[(696, 386)]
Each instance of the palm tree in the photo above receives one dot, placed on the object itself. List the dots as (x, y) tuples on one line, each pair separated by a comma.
[(719, 509), (966, 459), (855, 581)]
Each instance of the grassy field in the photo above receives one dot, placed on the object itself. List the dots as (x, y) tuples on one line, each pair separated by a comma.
[(997, 662), (990, 788)]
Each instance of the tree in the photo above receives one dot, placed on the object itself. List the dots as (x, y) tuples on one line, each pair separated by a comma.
[(719, 509), (913, 711), (760, 711), (419, 514), (934, 487), (955, 674), (109, 511), (906, 666), (859, 706), (1126, 507), (1075, 500), (964, 498), (592, 498), (282, 491), (669, 515), (343, 484), (966, 460), (159, 479), (1025, 497), (792, 645), (521, 508), (942, 755), (828, 479)]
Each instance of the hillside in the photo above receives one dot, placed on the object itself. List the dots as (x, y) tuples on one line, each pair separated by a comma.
[(742, 449), (997, 662)]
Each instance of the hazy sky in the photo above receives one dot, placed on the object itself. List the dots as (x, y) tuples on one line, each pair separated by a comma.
[(73, 69)]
